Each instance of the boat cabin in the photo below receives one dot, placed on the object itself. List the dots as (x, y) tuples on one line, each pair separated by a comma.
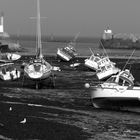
[(124, 78), (104, 61), (95, 58)]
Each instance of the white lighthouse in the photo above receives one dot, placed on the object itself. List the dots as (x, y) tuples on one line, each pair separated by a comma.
[(107, 34), (2, 33)]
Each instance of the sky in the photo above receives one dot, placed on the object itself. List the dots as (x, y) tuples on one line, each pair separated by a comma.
[(69, 17)]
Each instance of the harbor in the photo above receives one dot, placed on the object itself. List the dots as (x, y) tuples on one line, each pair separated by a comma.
[(70, 78)]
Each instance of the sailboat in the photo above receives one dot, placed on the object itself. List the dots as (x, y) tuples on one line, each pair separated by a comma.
[(68, 52), (38, 69)]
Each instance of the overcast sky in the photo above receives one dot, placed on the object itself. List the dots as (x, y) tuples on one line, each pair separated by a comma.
[(68, 17)]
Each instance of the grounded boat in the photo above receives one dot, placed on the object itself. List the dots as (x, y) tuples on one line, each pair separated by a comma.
[(119, 41), (118, 92), (69, 52), (102, 65), (106, 68), (92, 62), (8, 72), (38, 69), (8, 57)]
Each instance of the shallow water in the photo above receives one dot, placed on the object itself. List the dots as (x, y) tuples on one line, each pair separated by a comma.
[(82, 49)]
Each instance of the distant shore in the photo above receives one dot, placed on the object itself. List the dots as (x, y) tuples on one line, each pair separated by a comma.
[(64, 39)]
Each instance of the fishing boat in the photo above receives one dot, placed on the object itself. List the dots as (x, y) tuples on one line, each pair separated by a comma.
[(118, 92), (106, 68), (38, 69), (92, 61), (102, 65), (68, 52), (8, 72)]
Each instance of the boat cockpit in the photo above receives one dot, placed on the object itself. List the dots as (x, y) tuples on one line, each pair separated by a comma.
[(124, 78)]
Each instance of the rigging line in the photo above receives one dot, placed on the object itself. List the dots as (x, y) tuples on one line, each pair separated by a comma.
[(104, 52), (75, 38), (128, 59), (91, 51)]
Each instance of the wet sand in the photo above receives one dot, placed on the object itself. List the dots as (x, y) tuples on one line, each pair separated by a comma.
[(65, 112)]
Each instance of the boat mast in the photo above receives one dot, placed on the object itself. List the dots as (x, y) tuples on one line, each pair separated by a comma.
[(39, 45)]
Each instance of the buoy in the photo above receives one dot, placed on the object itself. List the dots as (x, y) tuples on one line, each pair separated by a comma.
[(87, 85), (10, 109), (24, 121), (75, 65)]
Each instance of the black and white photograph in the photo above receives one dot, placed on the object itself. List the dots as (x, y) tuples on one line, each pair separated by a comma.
[(69, 70)]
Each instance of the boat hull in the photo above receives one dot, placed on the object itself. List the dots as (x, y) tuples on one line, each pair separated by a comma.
[(64, 56), (116, 98), (38, 76), (105, 74), (91, 64), (38, 71)]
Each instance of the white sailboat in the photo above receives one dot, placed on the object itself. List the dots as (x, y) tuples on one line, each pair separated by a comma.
[(69, 52), (38, 69)]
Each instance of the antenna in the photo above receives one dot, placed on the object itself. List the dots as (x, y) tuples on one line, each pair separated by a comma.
[(103, 48), (75, 38), (128, 59), (91, 51)]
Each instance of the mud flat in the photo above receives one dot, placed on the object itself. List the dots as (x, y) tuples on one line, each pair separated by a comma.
[(65, 112)]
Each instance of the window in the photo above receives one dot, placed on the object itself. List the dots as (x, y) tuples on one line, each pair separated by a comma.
[(124, 83)]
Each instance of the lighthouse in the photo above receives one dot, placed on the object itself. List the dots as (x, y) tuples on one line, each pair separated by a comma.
[(2, 33), (107, 34)]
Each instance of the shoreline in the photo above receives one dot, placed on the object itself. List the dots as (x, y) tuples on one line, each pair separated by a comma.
[(84, 56)]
